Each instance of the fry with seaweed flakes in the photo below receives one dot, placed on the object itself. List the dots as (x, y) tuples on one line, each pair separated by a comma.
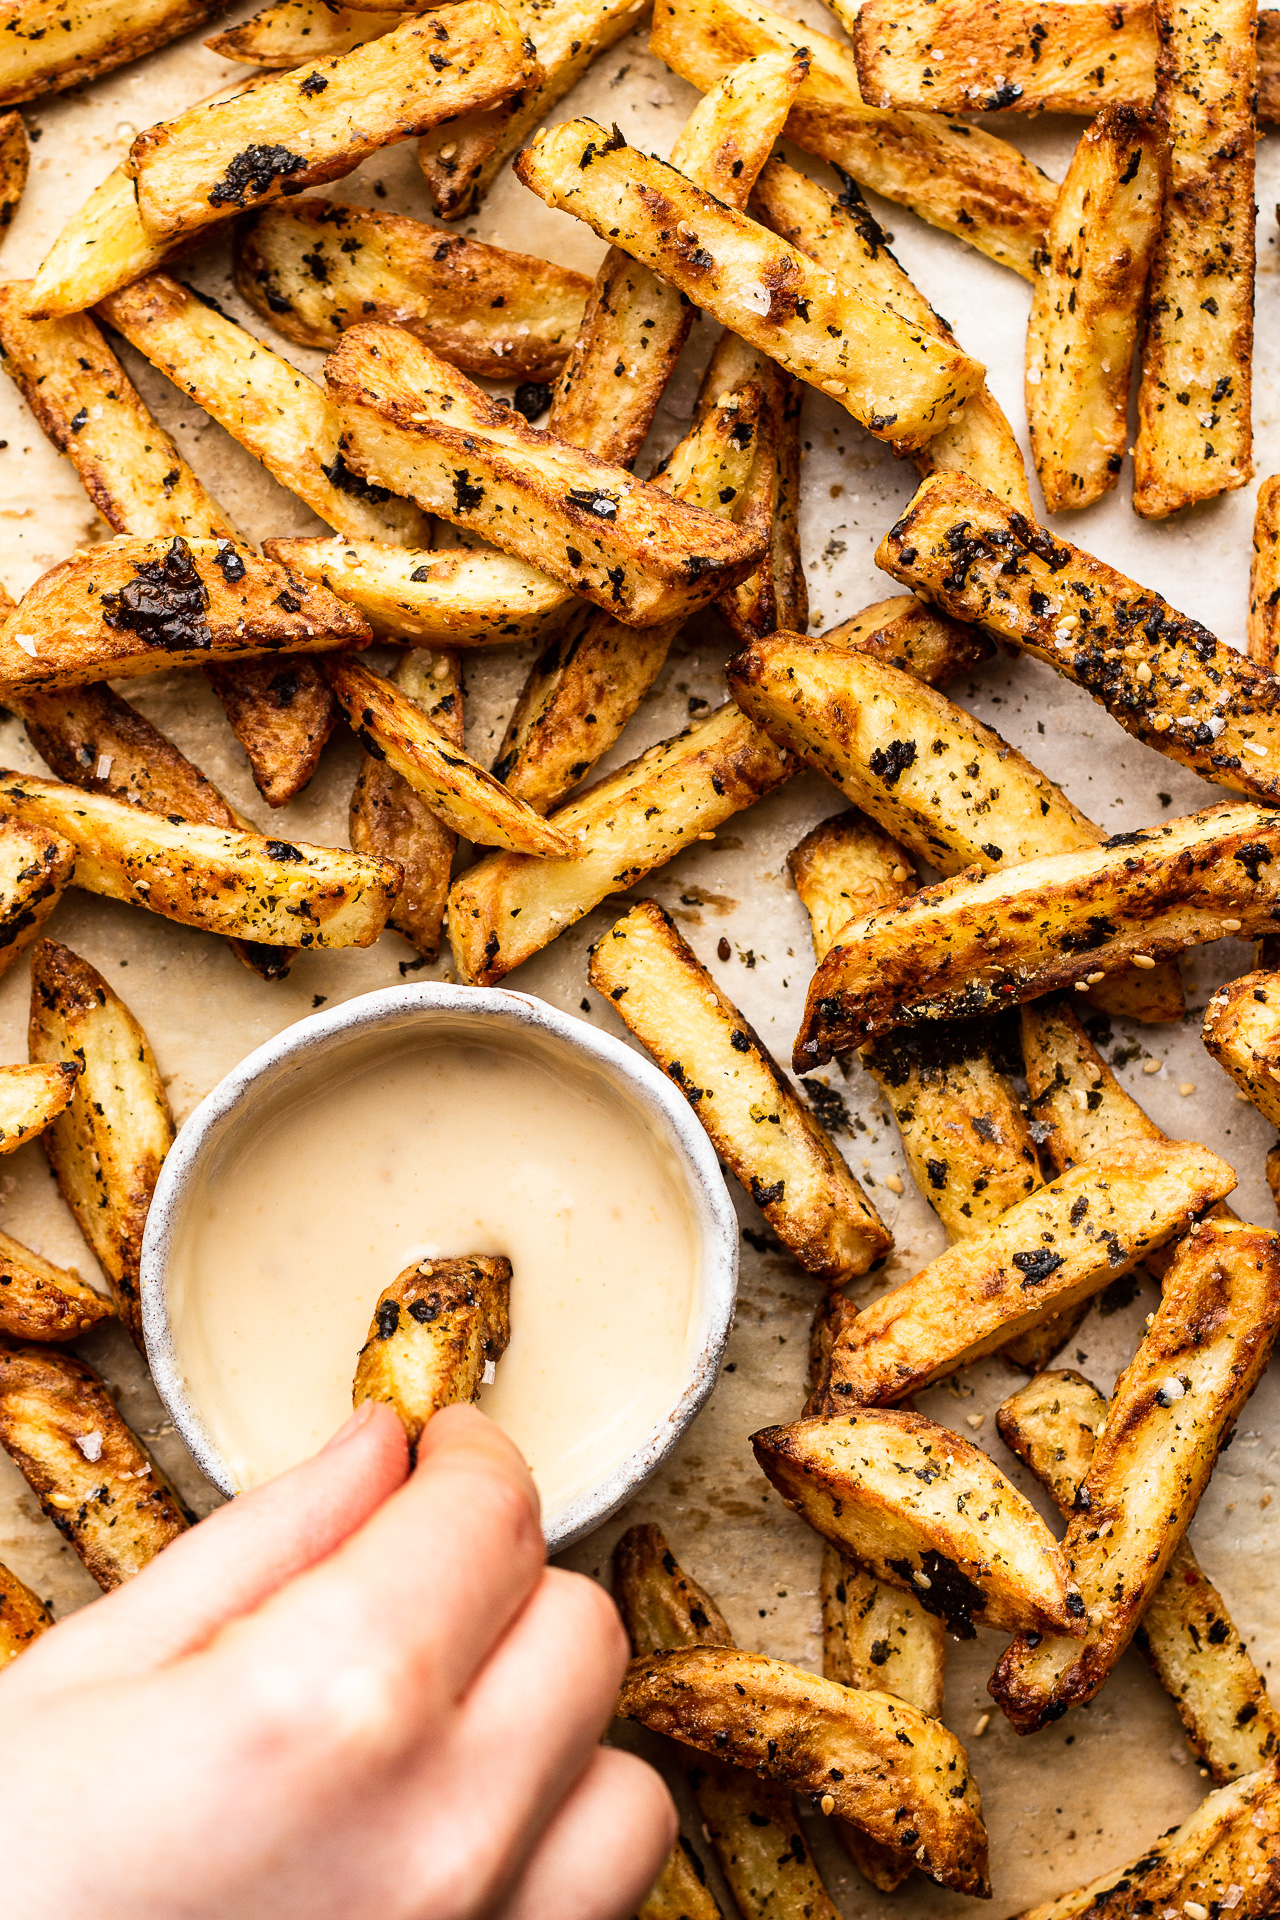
[(282, 713), (15, 162), (39, 1301), (23, 1616), (30, 1097), (846, 867), (1242, 1032), (1079, 1105), (37, 865), (436, 1332), (1263, 632), (909, 634), (680, 1892), (754, 1118), (50, 45), (291, 31)]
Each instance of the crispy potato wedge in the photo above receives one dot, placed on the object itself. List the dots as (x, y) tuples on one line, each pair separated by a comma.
[(844, 236), (908, 634), (107, 1147), (233, 883), (1199, 1360), (839, 1742), (1081, 1107), (756, 1121), (680, 1891), (102, 247), (390, 725), (880, 1636), (286, 34), (436, 1332), (897, 380), (1263, 634), (1195, 432), (30, 1097), (284, 420), (50, 45), (23, 1616), (983, 941), (412, 421), (1162, 676), (1187, 1634), (36, 867), (281, 712), (1086, 306), (661, 1605), (39, 1301), (894, 1491), (959, 178), (390, 819), (91, 1475), (131, 607), (318, 122), (1242, 1032), (315, 267), (461, 159), (844, 868), (1060, 1245), (15, 161), (455, 598)]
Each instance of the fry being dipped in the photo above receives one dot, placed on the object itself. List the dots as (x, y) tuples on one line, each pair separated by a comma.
[(437, 1330)]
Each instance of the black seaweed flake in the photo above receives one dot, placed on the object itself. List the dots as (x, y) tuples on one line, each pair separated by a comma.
[(255, 172), (164, 604), (951, 1595), (341, 476)]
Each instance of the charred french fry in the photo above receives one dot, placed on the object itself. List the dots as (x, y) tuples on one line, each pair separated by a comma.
[(23, 1616), (281, 712), (315, 267), (436, 1332), (390, 818), (756, 1121), (680, 1891), (1058, 1246), (50, 45), (39, 1301), (15, 159), (844, 868), (320, 121), (906, 633), (844, 236), (1198, 1362), (1195, 432), (961, 179), (30, 1097), (233, 883), (1242, 1032), (103, 1493), (291, 31), (841, 1743), (1187, 1634), (391, 726), (36, 867), (1086, 306)]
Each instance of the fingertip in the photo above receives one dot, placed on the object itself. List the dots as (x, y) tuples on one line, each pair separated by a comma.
[(461, 1437)]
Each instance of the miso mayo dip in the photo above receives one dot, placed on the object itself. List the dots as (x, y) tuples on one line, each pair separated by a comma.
[(438, 1146)]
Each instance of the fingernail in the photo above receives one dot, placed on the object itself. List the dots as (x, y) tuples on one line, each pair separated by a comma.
[(360, 1418)]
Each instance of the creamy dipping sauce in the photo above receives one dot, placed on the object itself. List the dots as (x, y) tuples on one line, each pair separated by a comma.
[(446, 1147)]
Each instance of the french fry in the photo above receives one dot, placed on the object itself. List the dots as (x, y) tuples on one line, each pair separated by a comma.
[(844, 236), (461, 160), (50, 45), (314, 267), (281, 712), (680, 1891), (1195, 432), (15, 160), (30, 1097), (281, 417), (982, 941), (91, 1475), (238, 884), (23, 1616), (390, 819), (844, 868), (1242, 1032), (900, 382), (1186, 1633), (436, 1331), (1199, 1360), (1263, 637), (413, 422), (390, 725), (894, 1491), (1086, 305), (959, 178), (1162, 676), (910, 635), (1060, 1245), (39, 1301), (36, 868), (131, 607), (320, 121), (286, 34), (755, 1120), (841, 1743), (509, 906), (1079, 1105)]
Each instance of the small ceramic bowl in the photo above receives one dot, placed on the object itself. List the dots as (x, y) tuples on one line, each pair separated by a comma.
[(315, 1049)]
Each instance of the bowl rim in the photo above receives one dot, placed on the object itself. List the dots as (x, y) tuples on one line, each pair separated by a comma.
[(715, 1219)]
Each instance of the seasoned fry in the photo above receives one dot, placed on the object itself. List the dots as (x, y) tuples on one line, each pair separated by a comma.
[(15, 159), (1263, 634), (1195, 432), (30, 1097), (959, 178), (390, 819), (757, 1123), (894, 1491), (23, 1616), (436, 1331), (208, 877), (1199, 1360), (680, 1891), (880, 1636), (314, 267), (897, 380), (50, 45), (413, 422), (281, 712), (1086, 305), (662, 1606), (131, 607), (103, 246), (1242, 1032), (906, 633), (107, 1147), (1080, 1105), (291, 31), (1052, 1425), (844, 236), (462, 159), (39, 1301), (91, 1475), (320, 121), (976, 942), (36, 867), (391, 726), (844, 868), (1060, 1245), (839, 1742)]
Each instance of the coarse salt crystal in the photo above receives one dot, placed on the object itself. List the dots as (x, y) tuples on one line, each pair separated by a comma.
[(755, 298), (27, 644), (490, 1373), (90, 1445), (104, 766)]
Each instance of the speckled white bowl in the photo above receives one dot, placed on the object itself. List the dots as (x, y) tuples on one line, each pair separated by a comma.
[(318, 1044)]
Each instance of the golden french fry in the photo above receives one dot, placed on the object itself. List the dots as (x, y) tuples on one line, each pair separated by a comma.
[(36, 867), (39, 1301), (291, 31), (844, 868), (1264, 579), (1242, 1032), (435, 1331), (908, 634), (15, 160), (680, 1892), (23, 1616), (281, 712), (50, 45), (30, 1097), (1079, 1106)]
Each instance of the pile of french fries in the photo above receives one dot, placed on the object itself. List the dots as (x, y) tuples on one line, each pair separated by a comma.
[(957, 989)]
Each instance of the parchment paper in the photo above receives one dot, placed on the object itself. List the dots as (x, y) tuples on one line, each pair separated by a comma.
[(1091, 1791)]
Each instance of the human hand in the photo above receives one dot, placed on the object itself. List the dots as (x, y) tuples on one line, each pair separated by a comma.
[(355, 1694)]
